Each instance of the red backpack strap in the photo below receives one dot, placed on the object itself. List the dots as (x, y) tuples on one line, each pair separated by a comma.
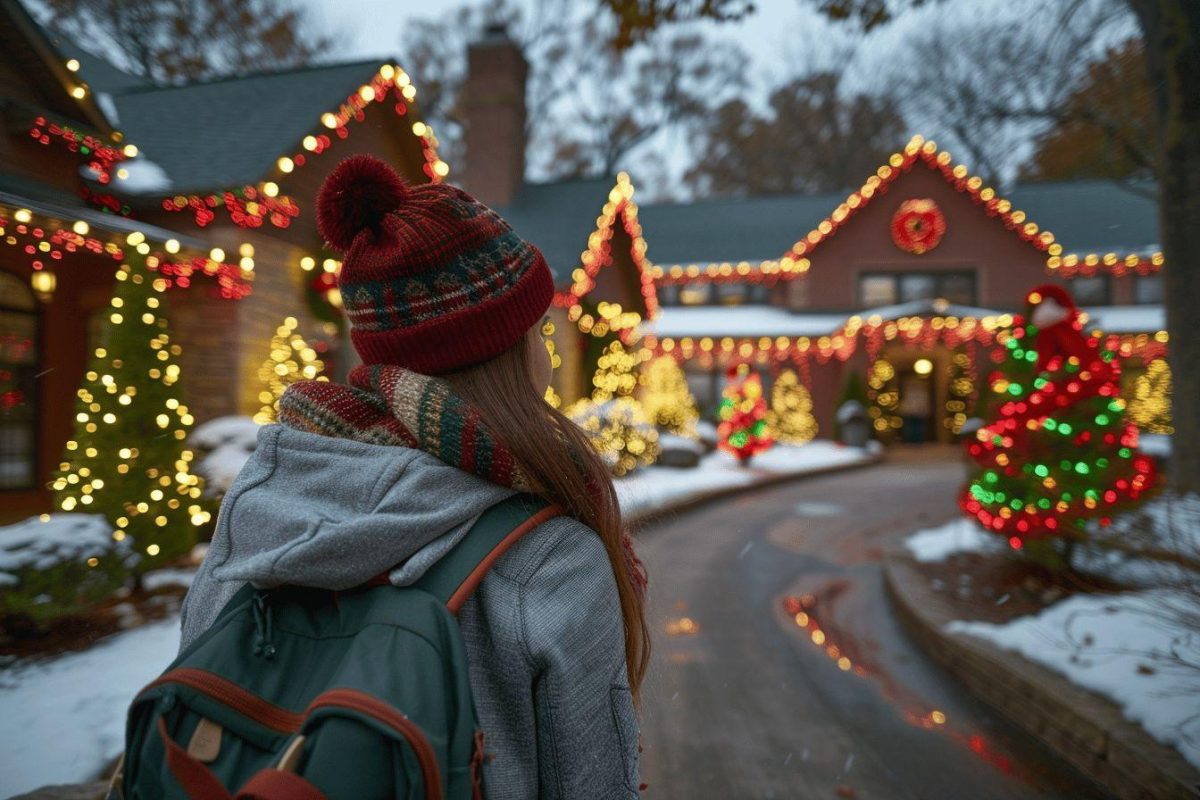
[(454, 578)]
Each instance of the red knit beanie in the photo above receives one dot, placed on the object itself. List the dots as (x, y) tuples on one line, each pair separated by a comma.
[(432, 279)]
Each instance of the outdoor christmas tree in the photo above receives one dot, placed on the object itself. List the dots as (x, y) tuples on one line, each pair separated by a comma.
[(612, 418), (1059, 451), (790, 418), (291, 359), (742, 427), (127, 459), (666, 399)]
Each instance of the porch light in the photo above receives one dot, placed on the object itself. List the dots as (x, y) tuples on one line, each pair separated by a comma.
[(43, 282), (923, 366)]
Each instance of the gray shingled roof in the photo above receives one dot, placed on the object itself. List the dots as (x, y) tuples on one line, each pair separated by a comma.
[(1085, 217), (99, 74), (558, 218), (226, 133), (1092, 216)]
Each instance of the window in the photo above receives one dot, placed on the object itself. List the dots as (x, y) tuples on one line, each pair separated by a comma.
[(917, 287), (1148, 290), (732, 294), (958, 288), (695, 294), (886, 288), (877, 290), (668, 295), (1091, 290), (18, 376)]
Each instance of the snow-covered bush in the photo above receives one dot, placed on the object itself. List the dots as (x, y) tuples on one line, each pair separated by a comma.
[(223, 446), (619, 431), (56, 565)]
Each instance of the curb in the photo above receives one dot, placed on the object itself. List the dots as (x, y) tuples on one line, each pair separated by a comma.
[(1082, 728), (769, 479)]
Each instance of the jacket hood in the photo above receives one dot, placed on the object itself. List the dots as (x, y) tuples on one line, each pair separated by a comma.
[(313, 510)]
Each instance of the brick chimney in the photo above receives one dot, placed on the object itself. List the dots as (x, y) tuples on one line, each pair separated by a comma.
[(495, 117)]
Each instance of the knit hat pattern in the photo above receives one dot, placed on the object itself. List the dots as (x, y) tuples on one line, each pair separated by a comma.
[(432, 279)]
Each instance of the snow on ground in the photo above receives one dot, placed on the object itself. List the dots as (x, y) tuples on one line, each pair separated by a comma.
[(956, 536), (62, 721), (653, 488), (1120, 647)]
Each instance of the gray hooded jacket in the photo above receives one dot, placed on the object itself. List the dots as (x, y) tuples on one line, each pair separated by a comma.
[(543, 633)]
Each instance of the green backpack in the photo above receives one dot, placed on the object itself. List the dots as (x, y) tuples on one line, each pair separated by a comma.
[(300, 694)]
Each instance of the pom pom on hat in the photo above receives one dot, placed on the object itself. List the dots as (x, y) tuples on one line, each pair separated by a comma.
[(355, 196)]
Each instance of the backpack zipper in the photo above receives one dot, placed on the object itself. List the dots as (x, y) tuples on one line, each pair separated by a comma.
[(390, 716)]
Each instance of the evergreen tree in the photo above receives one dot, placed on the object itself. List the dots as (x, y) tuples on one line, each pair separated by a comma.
[(790, 419), (616, 372), (1059, 452), (742, 429), (612, 418), (855, 390), (291, 359), (127, 459), (666, 399), (1150, 406)]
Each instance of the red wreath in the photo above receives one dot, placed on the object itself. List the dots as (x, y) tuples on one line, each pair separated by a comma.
[(918, 226)]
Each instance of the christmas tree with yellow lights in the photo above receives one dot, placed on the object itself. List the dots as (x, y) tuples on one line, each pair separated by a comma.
[(790, 418), (742, 428), (126, 458), (1150, 406), (666, 399), (291, 359), (1058, 451), (612, 418)]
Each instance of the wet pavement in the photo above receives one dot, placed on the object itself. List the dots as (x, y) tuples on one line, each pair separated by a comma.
[(780, 670)]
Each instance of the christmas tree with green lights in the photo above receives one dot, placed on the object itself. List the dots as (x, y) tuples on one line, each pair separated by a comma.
[(1058, 452), (127, 458), (742, 427)]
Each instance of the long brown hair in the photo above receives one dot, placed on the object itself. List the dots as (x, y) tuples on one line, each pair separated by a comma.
[(564, 468)]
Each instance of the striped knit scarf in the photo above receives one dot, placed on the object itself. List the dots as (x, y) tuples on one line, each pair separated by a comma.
[(393, 406)]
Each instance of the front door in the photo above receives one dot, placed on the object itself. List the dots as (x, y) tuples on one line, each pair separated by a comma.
[(916, 402)]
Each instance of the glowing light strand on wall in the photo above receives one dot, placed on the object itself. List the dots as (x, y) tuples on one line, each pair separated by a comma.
[(620, 205), (101, 158), (1072, 265), (918, 149), (48, 241), (248, 206)]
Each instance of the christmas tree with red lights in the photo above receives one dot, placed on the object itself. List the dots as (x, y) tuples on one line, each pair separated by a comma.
[(1059, 452), (742, 428)]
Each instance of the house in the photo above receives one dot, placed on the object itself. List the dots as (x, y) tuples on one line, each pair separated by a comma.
[(903, 281), (214, 180)]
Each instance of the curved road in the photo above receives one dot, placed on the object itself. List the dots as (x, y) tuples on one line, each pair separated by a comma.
[(742, 702)]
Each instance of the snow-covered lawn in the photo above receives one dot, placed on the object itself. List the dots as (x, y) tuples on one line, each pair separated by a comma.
[(959, 535), (654, 488), (1133, 648), (63, 720), (1140, 649)]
